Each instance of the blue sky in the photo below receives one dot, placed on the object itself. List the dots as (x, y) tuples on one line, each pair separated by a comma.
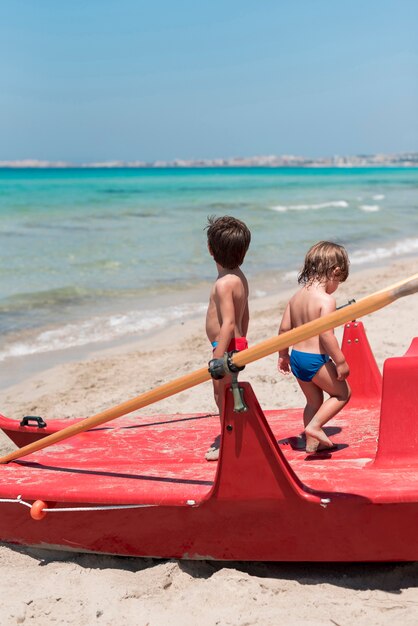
[(125, 79)]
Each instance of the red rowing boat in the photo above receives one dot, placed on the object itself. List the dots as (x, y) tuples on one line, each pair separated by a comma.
[(142, 487)]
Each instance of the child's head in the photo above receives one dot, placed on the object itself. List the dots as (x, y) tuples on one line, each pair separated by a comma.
[(325, 261), (228, 240)]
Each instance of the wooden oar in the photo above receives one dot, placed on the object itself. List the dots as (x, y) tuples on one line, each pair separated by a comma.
[(364, 306)]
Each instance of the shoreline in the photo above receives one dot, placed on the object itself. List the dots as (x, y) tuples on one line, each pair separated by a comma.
[(172, 307), (81, 337)]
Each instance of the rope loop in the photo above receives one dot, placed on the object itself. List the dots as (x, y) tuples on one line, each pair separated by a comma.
[(41, 507)]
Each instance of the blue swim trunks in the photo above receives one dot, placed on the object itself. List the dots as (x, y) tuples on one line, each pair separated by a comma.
[(305, 365)]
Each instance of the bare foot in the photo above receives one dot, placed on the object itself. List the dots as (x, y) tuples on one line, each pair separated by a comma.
[(319, 447), (212, 454), (322, 448), (312, 444), (318, 433)]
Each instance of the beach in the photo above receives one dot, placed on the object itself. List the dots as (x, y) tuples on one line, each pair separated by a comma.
[(40, 587), (127, 128)]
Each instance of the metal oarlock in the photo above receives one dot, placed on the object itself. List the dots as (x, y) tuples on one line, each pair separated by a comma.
[(238, 394), (218, 368), (347, 304)]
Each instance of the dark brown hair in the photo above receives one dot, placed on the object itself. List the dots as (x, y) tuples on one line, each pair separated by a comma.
[(228, 239), (321, 260)]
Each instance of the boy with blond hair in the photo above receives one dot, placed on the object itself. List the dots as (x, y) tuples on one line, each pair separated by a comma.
[(317, 363)]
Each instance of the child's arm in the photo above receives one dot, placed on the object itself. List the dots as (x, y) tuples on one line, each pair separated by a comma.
[(330, 344), (227, 314), (245, 320), (286, 324)]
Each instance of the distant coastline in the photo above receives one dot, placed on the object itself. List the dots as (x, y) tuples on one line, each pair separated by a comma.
[(403, 159)]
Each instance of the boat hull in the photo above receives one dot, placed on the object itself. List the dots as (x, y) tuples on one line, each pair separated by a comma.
[(229, 531)]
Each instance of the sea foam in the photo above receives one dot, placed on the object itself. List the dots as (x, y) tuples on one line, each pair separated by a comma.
[(370, 208), (338, 204), (399, 248), (101, 329)]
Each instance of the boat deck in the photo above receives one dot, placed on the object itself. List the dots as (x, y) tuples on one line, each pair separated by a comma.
[(160, 460)]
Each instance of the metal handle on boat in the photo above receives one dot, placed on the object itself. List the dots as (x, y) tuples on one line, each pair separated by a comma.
[(40, 423), (238, 394)]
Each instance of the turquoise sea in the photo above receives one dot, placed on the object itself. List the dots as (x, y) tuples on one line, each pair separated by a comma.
[(95, 255)]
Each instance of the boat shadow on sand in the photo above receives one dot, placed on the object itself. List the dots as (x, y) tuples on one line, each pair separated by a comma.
[(391, 577)]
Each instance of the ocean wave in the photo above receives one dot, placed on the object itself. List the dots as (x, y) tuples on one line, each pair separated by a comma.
[(370, 208), (121, 191), (291, 276), (140, 214), (60, 296), (400, 248), (378, 196), (101, 329), (338, 204), (228, 205)]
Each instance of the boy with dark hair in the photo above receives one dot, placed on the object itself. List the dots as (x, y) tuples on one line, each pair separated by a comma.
[(227, 317)]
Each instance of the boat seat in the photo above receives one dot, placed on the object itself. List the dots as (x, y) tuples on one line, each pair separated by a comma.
[(365, 377), (398, 430)]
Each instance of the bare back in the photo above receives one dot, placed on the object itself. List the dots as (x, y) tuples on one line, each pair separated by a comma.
[(309, 303), (228, 299)]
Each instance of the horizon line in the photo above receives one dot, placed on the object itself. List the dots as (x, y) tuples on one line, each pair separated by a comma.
[(401, 159)]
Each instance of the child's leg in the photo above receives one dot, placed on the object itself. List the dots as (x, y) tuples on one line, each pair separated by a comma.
[(212, 453), (219, 392), (339, 392), (314, 399)]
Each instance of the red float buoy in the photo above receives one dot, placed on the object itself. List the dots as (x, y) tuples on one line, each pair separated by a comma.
[(37, 510)]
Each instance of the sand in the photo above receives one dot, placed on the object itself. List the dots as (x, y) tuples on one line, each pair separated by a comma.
[(40, 587)]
